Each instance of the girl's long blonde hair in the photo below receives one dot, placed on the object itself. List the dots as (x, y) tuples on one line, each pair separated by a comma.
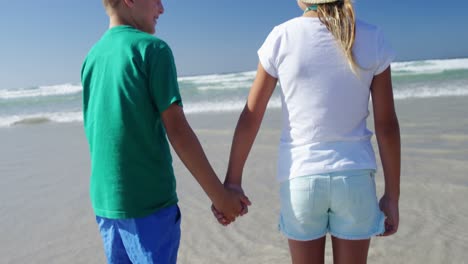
[(340, 20)]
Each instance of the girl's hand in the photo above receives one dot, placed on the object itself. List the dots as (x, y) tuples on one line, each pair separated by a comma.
[(245, 203), (390, 208), (238, 188)]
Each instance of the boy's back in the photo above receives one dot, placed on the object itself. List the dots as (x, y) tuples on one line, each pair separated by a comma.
[(131, 100), (129, 79)]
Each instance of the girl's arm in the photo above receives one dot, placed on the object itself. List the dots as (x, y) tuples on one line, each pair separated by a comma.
[(387, 131), (249, 124), (245, 133)]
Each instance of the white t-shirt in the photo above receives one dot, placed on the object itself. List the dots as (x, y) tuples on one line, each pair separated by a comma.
[(324, 104)]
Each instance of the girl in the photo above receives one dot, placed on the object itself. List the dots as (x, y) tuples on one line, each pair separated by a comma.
[(328, 64)]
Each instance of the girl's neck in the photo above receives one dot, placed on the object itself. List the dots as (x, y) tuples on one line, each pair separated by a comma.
[(310, 11), (310, 14)]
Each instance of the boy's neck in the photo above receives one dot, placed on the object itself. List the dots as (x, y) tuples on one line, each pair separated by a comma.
[(119, 21)]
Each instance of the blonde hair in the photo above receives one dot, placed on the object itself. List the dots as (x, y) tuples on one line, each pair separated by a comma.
[(340, 20)]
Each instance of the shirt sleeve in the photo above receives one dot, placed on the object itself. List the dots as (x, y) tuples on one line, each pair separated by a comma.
[(385, 53), (268, 53), (163, 85)]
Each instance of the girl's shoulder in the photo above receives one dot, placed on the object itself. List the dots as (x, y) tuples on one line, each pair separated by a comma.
[(295, 24), (299, 21), (365, 26), (367, 34)]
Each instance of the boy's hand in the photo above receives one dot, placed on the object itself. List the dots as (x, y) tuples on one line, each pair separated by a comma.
[(390, 209), (230, 204), (244, 201)]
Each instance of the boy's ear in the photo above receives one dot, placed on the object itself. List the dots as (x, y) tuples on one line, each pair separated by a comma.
[(129, 3)]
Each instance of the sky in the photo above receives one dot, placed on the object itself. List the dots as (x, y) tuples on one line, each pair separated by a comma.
[(44, 42)]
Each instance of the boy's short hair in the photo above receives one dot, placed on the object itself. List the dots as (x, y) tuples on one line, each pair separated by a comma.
[(110, 5)]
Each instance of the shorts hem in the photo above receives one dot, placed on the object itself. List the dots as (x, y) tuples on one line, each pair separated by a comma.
[(314, 237), (378, 231)]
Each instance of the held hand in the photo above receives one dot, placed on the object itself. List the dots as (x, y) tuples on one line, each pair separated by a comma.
[(231, 204), (219, 216), (390, 208), (243, 200)]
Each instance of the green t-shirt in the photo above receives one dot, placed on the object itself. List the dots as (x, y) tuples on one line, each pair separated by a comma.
[(129, 78)]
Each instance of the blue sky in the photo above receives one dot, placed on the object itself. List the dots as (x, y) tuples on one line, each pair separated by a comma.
[(43, 42)]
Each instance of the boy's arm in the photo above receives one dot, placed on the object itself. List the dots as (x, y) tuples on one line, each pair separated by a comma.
[(188, 148), (387, 131)]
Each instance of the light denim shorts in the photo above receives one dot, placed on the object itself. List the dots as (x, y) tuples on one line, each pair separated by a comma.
[(343, 204)]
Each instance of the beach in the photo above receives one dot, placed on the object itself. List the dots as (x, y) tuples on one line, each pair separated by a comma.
[(46, 215)]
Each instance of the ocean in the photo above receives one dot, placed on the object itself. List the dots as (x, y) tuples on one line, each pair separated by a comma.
[(425, 79)]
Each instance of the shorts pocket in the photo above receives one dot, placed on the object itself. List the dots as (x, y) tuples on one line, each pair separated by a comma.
[(361, 197), (297, 198)]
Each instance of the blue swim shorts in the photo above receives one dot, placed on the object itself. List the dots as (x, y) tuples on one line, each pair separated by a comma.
[(151, 239), (343, 204)]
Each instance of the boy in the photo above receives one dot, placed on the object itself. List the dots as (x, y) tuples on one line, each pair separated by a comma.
[(130, 101)]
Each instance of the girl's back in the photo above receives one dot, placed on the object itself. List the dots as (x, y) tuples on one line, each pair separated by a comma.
[(327, 68), (325, 104)]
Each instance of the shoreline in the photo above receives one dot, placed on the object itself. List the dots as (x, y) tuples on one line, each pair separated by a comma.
[(46, 214)]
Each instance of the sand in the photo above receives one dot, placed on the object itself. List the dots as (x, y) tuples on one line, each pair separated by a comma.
[(46, 215)]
